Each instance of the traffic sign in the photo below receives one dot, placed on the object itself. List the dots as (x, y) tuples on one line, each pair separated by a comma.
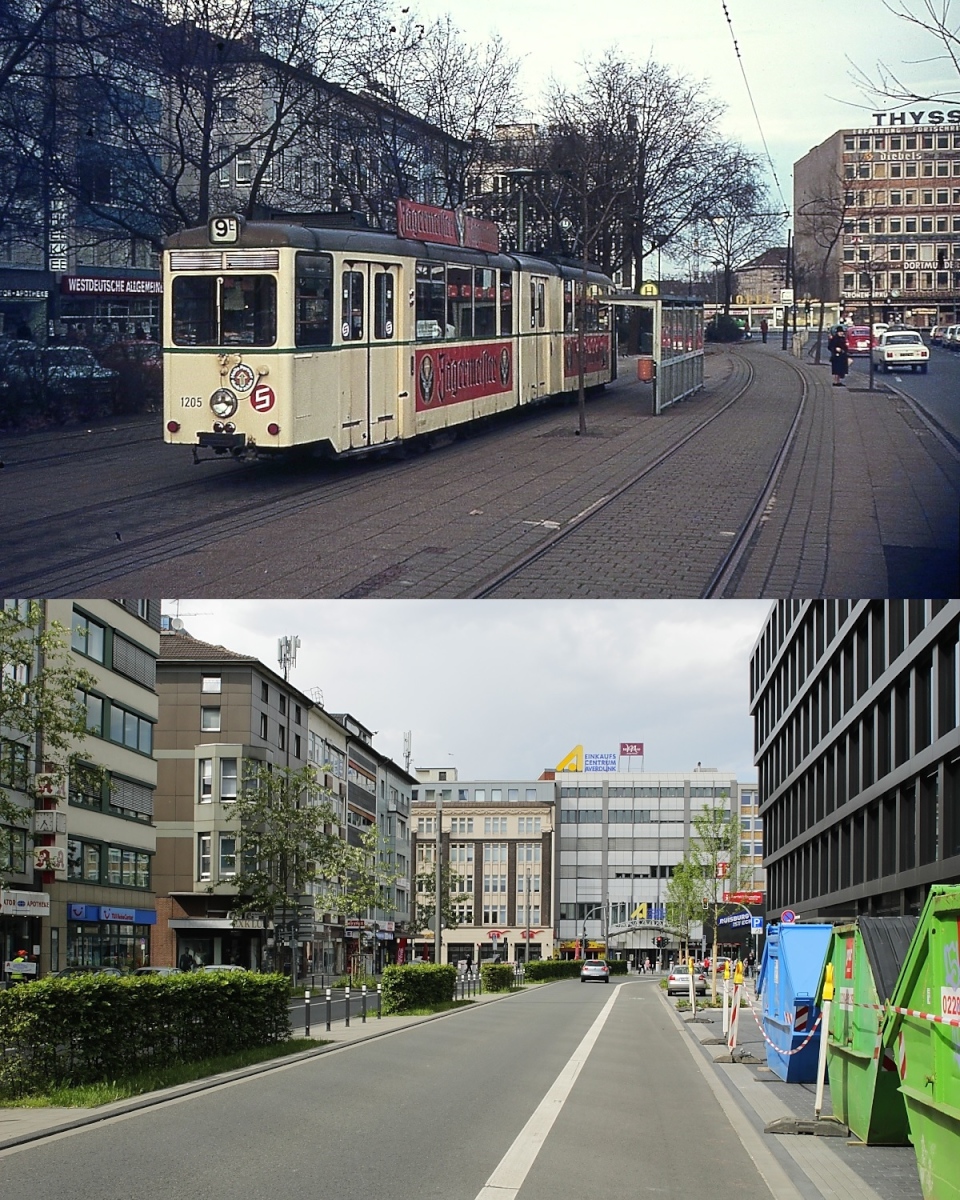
[(757, 924), (788, 916)]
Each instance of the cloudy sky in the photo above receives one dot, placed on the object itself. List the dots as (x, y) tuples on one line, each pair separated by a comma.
[(800, 59), (503, 689)]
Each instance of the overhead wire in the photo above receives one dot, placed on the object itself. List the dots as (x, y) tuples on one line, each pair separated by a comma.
[(746, 81)]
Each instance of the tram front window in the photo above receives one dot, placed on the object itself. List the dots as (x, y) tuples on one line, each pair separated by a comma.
[(225, 310)]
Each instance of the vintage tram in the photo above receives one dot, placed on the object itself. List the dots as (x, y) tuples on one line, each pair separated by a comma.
[(326, 335)]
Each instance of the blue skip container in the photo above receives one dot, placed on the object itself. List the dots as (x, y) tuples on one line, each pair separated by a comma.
[(793, 959)]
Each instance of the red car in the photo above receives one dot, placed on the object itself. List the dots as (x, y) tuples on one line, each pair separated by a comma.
[(858, 339)]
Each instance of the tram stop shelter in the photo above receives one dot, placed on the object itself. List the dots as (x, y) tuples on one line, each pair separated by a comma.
[(670, 342), (864, 1084)]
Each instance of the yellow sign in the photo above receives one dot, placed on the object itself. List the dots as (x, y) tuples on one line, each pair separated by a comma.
[(649, 289), (639, 913), (573, 761)]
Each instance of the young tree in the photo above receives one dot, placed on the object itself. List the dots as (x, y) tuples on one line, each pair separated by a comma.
[(43, 723), (715, 856), (684, 902)]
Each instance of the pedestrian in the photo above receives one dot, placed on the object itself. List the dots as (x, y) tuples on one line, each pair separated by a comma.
[(186, 961), (764, 327), (647, 965), (839, 359)]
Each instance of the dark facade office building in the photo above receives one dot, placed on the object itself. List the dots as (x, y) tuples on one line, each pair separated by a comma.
[(856, 711)]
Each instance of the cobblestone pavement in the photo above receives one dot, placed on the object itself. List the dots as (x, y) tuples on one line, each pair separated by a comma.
[(867, 505)]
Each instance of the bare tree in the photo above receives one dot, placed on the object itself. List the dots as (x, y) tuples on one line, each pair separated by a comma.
[(820, 221)]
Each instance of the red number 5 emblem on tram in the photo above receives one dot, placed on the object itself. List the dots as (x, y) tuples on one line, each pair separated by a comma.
[(262, 398)]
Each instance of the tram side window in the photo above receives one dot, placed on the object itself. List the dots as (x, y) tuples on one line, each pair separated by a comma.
[(506, 303), (459, 302), (248, 310), (569, 312), (537, 314), (484, 302), (352, 307), (383, 305), (314, 312), (431, 301)]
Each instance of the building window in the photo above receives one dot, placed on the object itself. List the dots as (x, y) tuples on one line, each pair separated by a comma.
[(210, 720), (204, 841), (282, 736), (264, 693), (297, 747), (94, 707), (228, 779), (85, 789), (13, 851), (494, 824), (129, 729), (13, 764), (283, 706), (496, 795), (228, 855), (206, 780), (210, 683), (425, 825), (88, 638), (263, 725), (461, 825), (297, 715), (529, 825)]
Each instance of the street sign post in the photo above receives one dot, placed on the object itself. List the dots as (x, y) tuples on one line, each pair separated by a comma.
[(788, 916)]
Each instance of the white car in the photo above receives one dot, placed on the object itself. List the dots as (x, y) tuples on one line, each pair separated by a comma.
[(897, 349)]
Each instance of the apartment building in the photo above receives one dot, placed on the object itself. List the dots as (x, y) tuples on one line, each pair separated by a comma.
[(856, 710), (892, 189), (498, 838), (79, 877)]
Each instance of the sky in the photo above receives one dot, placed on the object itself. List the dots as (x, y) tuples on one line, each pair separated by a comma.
[(503, 689), (799, 58)]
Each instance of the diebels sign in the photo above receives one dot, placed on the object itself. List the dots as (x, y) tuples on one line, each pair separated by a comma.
[(448, 226)]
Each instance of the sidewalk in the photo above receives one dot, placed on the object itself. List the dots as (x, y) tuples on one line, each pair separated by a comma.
[(833, 1168), (19, 1125)]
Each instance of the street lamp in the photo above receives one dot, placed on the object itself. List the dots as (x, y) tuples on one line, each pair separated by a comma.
[(526, 955), (587, 916)]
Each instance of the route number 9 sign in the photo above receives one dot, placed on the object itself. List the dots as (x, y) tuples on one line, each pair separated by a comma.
[(224, 229)]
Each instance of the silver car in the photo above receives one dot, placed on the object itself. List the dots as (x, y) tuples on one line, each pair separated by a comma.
[(678, 982), (595, 968)]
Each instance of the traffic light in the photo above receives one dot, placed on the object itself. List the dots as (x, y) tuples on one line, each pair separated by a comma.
[(660, 942)]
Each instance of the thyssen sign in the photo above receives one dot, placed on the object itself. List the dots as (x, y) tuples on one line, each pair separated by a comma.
[(924, 116)]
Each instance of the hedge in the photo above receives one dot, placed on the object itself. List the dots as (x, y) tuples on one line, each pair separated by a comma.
[(92, 1028), (418, 985), (497, 977), (569, 968)]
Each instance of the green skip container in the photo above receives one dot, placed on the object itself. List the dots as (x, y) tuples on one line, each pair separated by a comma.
[(864, 1084), (927, 1051)]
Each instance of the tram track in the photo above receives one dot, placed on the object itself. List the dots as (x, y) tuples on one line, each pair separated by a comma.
[(729, 561)]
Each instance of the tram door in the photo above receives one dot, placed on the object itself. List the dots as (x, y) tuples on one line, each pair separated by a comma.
[(536, 365), (370, 366)]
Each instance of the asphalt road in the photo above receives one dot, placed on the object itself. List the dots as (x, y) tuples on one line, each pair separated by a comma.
[(435, 1110)]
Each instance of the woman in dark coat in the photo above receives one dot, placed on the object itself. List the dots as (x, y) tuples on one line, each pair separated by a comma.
[(839, 360)]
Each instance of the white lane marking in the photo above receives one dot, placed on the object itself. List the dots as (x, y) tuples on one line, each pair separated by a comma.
[(511, 1171)]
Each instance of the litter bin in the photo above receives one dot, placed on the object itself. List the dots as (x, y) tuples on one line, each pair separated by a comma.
[(793, 959), (864, 1084), (926, 1047), (645, 369)]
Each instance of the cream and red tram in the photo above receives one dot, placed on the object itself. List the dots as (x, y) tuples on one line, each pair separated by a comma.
[(343, 339)]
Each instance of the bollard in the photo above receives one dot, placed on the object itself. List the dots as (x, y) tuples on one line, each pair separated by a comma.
[(824, 1038), (347, 998), (379, 1000), (328, 1010), (363, 1003), (726, 998), (735, 1015), (306, 1013), (693, 987)]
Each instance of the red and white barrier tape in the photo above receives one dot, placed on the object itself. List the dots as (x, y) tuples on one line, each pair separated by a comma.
[(913, 1012), (796, 1050)]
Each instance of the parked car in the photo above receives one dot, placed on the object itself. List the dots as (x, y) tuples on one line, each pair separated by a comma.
[(158, 971), (595, 968), (678, 982), (900, 348), (936, 335), (222, 967), (63, 379), (858, 339)]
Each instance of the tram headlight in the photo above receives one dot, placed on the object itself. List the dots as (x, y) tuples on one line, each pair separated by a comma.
[(223, 402)]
